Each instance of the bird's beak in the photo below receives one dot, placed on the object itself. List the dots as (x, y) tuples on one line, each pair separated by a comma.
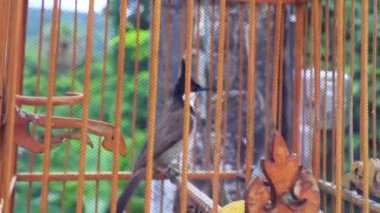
[(203, 89)]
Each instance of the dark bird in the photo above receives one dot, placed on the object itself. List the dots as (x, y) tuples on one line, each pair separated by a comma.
[(168, 138)]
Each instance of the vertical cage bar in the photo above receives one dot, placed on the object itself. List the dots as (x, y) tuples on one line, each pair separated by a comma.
[(317, 85), (280, 75), (298, 91), (364, 102), (119, 100), (86, 100), (251, 86), (276, 62), (219, 97), (49, 106), (339, 29), (186, 118), (4, 9), (13, 61), (85, 109), (156, 20)]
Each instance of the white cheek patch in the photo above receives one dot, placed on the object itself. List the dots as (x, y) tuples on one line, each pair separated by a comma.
[(192, 98)]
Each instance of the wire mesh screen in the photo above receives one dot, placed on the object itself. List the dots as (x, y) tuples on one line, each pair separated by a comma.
[(208, 103)]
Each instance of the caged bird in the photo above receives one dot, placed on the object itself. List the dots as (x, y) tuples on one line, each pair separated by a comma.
[(168, 138)]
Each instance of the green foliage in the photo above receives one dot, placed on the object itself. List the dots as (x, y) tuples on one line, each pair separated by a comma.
[(130, 49)]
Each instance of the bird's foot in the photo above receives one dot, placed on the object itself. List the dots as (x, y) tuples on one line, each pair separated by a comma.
[(171, 173)]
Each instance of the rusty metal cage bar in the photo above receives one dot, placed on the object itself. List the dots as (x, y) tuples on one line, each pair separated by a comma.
[(153, 99), (13, 43), (49, 106), (219, 97), (186, 112), (119, 99), (86, 102)]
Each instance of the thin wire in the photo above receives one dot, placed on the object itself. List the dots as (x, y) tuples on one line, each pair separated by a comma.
[(186, 114), (72, 88), (59, 30), (102, 99), (226, 90), (136, 83), (298, 90), (167, 52), (49, 107), (183, 23), (38, 80), (211, 85), (195, 153), (75, 47), (352, 72), (268, 75), (240, 99), (307, 60), (156, 20), (241, 82), (219, 97), (374, 81), (364, 102)]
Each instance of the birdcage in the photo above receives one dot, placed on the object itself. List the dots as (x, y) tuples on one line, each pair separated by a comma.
[(95, 93)]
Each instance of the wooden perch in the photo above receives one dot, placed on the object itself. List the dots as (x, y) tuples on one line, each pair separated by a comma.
[(353, 180), (197, 196)]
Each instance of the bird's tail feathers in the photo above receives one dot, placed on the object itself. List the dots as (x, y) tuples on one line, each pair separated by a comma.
[(128, 191)]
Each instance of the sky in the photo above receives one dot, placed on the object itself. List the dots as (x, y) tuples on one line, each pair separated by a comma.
[(70, 4)]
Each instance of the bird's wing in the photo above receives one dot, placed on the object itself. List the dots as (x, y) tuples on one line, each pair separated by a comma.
[(168, 132)]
